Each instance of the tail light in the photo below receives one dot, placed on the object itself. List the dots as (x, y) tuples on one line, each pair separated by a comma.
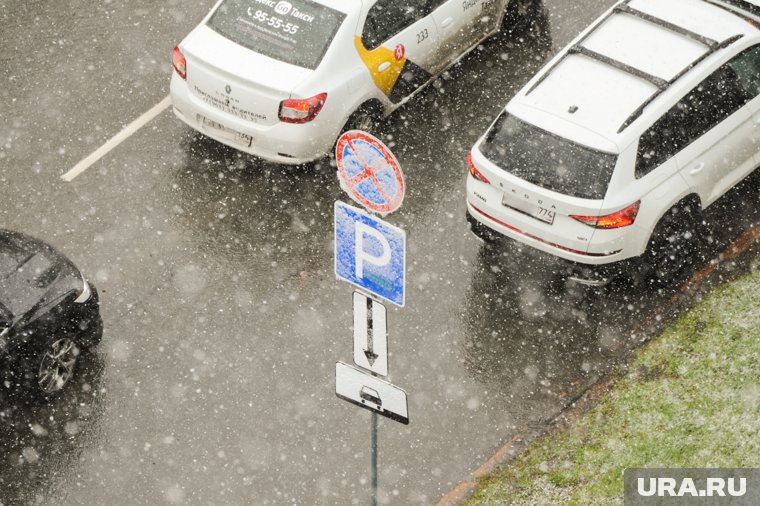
[(179, 62), (618, 219), (475, 172), (301, 110)]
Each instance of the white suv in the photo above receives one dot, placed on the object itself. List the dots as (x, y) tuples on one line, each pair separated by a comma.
[(281, 79), (608, 155)]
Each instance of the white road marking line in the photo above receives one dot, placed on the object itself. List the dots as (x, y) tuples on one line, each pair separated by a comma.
[(118, 139)]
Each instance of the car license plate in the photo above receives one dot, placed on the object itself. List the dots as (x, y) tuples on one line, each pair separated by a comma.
[(532, 210), (225, 132)]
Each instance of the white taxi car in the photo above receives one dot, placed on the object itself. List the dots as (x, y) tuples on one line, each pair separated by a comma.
[(281, 79), (607, 157)]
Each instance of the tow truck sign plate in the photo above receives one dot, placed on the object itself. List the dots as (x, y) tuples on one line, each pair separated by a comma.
[(372, 393)]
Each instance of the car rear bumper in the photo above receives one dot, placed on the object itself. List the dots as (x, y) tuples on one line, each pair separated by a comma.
[(561, 242), (584, 273), (284, 143)]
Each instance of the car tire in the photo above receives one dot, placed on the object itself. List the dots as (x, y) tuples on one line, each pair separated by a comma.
[(674, 246), (55, 365), (365, 118)]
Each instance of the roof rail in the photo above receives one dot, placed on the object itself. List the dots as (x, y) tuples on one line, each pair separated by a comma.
[(577, 44), (661, 84), (626, 9), (640, 109), (657, 81)]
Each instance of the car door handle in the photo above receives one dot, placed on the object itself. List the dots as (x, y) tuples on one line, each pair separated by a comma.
[(697, 168), (446, 22), (383, 66)]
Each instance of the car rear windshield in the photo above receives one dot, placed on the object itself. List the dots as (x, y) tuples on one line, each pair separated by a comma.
[(294, 31), (547, 160)]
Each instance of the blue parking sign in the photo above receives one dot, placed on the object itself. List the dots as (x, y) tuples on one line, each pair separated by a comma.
[(370, 253)]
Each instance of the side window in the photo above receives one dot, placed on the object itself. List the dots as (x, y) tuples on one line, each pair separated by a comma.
[(713, 100), (386, 18), (747, 68)]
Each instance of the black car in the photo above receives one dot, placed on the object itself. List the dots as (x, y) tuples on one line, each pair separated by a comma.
[(48, 314)]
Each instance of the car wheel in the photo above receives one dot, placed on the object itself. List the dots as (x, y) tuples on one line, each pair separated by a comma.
[(56, 366), (674, 245), (363, 119)]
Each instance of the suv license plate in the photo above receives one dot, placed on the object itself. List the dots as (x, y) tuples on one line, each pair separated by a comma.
[(226, 133), (534, 211), (544, 215)]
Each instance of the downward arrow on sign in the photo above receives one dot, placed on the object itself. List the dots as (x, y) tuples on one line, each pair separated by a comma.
[(370, 352), (370, 334)]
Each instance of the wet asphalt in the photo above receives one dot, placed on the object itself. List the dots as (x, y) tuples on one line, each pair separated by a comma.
[(214, 383)]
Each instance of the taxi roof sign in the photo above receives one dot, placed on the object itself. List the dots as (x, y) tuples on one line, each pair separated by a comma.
[(369, 172)]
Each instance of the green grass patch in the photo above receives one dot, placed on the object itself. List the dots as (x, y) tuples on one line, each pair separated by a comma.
[(691, 399)]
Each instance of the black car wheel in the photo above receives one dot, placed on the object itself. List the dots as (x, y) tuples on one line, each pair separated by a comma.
[(57, 365), (365, 118), (674, 246)]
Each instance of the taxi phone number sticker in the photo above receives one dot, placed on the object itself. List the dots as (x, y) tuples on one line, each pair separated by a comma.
[(272, 21)]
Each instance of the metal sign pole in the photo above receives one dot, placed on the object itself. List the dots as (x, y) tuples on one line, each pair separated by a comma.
[(370, 254), (373, 477)]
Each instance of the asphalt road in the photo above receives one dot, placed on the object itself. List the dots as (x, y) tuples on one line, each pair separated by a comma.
[(214, 383)]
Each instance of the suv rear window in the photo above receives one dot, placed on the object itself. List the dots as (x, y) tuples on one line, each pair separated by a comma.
[(547, 160), (294, 31)]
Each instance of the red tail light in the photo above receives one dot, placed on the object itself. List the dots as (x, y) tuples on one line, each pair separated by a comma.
[(621, 218), (301, 110), (179, 62), (475, 172)]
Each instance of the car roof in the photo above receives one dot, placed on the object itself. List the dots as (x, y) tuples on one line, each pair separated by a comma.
[(605, 78)]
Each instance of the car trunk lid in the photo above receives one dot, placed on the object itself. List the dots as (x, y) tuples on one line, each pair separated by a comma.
[(237, 80)]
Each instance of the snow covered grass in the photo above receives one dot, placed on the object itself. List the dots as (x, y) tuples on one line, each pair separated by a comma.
[(691, 399)]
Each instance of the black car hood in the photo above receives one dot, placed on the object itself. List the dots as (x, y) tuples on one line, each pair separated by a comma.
[(32, 274)]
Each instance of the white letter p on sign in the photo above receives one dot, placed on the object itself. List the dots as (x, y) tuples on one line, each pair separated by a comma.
[(364, 256)]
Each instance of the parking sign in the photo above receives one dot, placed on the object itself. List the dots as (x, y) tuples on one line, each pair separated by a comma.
[(370, 253)]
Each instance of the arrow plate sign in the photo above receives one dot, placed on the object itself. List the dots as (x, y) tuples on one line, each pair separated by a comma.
[(370, 335)]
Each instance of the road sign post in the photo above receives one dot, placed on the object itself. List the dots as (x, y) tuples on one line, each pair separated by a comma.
[(370, 254)]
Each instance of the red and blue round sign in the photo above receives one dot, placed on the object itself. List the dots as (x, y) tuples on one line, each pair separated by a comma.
[(369, 172)]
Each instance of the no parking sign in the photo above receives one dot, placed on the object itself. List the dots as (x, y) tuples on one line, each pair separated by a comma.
[(369, 172)]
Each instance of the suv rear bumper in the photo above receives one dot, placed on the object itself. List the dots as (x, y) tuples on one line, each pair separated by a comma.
[(587, 274)]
